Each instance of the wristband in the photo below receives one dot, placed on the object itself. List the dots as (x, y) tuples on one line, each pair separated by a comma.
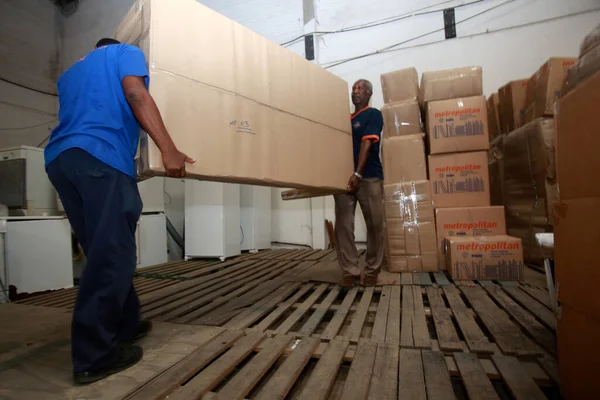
[(359, 176)]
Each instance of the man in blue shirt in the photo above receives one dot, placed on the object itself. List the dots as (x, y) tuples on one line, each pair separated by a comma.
[(364, 186), (90, 161)]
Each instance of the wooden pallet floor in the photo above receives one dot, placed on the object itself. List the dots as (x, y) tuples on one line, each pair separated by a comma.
[(245, 328)]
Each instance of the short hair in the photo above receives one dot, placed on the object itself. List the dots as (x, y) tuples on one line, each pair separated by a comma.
[(106, 42), (367, 83)]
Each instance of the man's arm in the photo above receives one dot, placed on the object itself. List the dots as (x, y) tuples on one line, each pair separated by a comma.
[(363, 155), (147, 114)]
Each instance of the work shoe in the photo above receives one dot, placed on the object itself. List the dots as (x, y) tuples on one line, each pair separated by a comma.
[(349, 281), (370, 280), (126, 357)]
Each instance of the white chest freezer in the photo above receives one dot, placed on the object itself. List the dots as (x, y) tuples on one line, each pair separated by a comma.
[(255, 204)]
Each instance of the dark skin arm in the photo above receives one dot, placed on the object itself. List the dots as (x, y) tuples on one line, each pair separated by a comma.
[(147, 114), (363, 156)]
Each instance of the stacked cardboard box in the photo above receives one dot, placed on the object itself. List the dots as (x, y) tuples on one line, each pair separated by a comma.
[(410, 228), (530, 183), (577, 239), (493, 113), (512, 100)]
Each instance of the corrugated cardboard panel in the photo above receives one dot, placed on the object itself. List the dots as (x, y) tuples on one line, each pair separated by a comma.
[(400, 85), (245, 108), (512, 101), (545, 86), (401, 118), (404, 159), (450, 84)]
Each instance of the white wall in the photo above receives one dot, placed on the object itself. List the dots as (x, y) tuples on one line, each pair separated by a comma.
[(30, 47)]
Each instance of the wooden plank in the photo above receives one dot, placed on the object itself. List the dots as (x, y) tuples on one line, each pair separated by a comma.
[(442, 319), (518, 381), (539, 332), (412, 379), (360, 315), (361, 369), (474, 336), (437, 379), (263, 307), (338, 319), (384, 382), (244, 381), (538, 309), (421, 334), (407, 278), (381, 316), (286, 375), (406, 328), (474, 377), (164, 383), (393, 324), (210, 378), (282, 308), (441, 279), (540, 295), (289, 322), (507, 335), (422, 278), (321, 380), (314, 320)]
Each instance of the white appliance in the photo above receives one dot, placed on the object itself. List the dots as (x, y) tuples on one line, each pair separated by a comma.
[(151, 240), (255, 204), (24, 185), (212, 220), (38, 253), (3, 283), (151, 191)]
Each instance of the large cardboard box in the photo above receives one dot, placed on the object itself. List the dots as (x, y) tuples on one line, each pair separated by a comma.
[(404, 159), (410, 228), (578, 141), (246, 109), (578, 353), (496, 170), (467, 221), (459, 179), (576, 245), (512, 97), (401, 118), (457, 125), (530, 183), (450, 84), (545, 86), (485, 258), (493, 114), (400, 85)]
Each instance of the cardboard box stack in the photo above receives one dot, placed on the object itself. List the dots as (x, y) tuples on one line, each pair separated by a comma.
[(577, 240), (458, 142), (511, 104), (493, 113), (410, 227)]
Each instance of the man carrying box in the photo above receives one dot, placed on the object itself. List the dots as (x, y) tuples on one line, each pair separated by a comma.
[(364, 186)]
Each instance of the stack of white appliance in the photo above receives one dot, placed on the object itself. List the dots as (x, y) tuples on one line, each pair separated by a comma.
[(151, 234), (222, 220)]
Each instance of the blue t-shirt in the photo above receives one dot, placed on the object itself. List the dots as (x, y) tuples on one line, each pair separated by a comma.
[(94, 114), (367, 124)]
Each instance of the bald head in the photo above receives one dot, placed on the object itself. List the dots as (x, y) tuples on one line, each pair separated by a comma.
[(362, 90)]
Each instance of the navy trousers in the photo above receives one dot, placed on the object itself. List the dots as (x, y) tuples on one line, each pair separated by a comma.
[(103, 206)]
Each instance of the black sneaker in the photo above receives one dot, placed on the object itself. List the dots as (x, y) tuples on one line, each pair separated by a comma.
[(126, 357)]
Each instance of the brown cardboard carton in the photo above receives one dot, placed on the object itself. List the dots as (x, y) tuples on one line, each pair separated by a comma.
[(496, 170), (245, 116), (401, 118), (467, 221), (410, 201), (459, 179), (578, 141), (493, 114), (530, 183), (579, 353), (457, 125), (450, 84), (400, 85), (576, 243), (587, 65), (512, 97), (404, 159), (484, 258), (545, 86)]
